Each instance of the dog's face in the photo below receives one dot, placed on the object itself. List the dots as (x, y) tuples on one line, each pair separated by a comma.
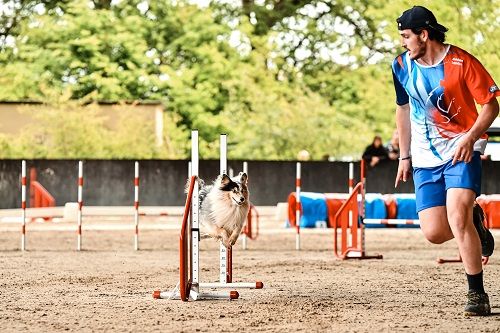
[(236, 188)]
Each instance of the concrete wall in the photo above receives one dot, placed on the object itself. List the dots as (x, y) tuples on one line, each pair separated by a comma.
[(110, 183)]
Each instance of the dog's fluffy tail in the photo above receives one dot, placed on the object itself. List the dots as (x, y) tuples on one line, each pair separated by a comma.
[(201, 184), (203, 189)]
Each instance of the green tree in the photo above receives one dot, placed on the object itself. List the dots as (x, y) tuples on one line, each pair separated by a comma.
[(278, 76)]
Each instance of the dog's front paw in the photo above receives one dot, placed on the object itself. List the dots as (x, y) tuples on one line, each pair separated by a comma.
[(227, 243)]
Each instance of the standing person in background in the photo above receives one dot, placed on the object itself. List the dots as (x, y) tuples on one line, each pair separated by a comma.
[(375, 152), (393, 146), (437, 88)]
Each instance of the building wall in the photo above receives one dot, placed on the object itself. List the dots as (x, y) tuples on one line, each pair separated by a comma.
[(110, 182)]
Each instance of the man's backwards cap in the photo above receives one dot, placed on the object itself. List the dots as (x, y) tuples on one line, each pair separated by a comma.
[(419, 17)]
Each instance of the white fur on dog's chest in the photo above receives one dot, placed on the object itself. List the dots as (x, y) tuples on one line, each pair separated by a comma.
[(226, 214)]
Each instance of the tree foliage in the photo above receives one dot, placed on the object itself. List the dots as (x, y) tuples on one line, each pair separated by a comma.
[(277, 75)]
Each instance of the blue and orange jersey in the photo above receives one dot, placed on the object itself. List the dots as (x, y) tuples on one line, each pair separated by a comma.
[(442, 102)]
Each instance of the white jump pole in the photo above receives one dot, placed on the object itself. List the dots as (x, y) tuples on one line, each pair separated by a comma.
[(136, 205), (80, 205), (244, 239), (195, 213), (297, 207), (23, 205), (223, 251)]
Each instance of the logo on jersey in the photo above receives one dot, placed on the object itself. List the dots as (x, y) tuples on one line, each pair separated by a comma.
[(457, 61), (493, 88)]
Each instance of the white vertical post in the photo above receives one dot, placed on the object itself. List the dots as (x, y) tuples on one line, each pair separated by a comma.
[(223, 154), (80, 204), (297, 207), (23, 205), (244, 239), (195, 222), (136, 205), (222, 249)]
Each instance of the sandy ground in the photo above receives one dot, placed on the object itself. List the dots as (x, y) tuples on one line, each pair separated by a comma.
[(108, 286)]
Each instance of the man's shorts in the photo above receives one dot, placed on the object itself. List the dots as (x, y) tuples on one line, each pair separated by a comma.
[(431, 184)]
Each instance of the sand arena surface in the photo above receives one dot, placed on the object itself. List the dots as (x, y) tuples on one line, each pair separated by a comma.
[(108, 286)]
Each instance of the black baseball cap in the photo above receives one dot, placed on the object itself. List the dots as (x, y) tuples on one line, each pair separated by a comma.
[(419, 17)]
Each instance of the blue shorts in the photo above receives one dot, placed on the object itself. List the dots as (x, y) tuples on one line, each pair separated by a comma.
[(431, 184)]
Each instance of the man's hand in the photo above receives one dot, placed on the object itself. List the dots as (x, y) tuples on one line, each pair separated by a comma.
[(404, 170), (465, 149)]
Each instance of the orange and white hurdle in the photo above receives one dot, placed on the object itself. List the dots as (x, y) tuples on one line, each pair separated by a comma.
[(350, 218), (189, 285)]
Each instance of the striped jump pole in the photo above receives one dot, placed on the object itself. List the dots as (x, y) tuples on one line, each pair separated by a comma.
[(244, 239), (392, 221), (297, 206), (80, 205), (23, 205), (136, 205)]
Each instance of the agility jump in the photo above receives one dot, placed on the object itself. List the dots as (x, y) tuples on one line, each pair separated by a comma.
[(352, 223), (189, 285), (352, 231)]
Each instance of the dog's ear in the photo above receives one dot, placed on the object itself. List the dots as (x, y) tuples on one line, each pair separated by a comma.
[(224, 180), (243, 178)]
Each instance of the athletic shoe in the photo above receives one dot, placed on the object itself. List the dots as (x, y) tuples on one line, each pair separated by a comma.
[(487, 240), (478, 304)]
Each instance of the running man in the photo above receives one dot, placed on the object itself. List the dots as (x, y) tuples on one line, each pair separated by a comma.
[(441, 135)]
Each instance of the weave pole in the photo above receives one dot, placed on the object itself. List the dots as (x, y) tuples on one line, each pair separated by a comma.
[(225, 258), (297, 207), (23, 205), (80, 205), (244, 239), (136, 205)]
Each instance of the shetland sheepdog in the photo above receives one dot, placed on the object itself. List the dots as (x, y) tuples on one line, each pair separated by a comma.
[(224, 207)]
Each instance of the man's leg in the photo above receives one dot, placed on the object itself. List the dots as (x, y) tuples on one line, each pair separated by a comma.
[(460, 202), (434, 224)]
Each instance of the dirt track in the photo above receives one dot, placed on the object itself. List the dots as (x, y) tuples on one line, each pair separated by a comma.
[(108, 287)]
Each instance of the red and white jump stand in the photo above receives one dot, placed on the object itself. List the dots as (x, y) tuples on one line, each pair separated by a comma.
[(23, 205), (136, 205), (189, 285)]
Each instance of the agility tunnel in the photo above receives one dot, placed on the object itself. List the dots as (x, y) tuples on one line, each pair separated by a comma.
[(318, 209)]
